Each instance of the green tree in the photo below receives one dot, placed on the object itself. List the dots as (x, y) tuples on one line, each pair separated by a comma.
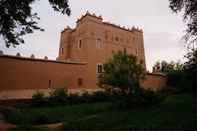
[(17, 18), (190, 68), (189, 8), (167, 67), (123, 72)]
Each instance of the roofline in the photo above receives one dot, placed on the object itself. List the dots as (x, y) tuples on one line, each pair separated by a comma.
[(42, 60)]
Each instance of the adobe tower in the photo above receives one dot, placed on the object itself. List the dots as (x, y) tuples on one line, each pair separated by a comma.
[(93, 41)]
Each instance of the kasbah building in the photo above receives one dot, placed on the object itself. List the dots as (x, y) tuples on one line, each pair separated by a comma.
[(82, 52)]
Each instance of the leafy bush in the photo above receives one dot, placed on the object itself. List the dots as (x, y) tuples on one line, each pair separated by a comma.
[(150, 98), (86, 97), (74, 98), (38, 97), (100, 96), (141, 98), (59, 95)]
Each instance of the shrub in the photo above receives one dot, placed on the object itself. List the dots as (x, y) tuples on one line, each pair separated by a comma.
[(59, 95), (38, 99), (38, 96), (86, 97), (149, 98), (140, 98), (100, 96), (74, 98)]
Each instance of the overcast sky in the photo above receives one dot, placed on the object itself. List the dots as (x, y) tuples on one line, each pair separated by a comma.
[(162, 29)]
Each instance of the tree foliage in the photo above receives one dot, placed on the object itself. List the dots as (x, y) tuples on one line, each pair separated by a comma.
[(189, 7), (190, 68), (122, 71), (17, 18), (166, 67)]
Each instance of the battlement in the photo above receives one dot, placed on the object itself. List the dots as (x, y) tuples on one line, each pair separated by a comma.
[(99, 19)]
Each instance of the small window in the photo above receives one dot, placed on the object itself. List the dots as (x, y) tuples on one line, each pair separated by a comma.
[(136, 52), (80, 44), (117, 39), (49, 83), (98, 43), (80, 81), (99, 68)]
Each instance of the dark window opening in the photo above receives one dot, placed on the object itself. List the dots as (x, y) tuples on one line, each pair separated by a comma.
[(117, 39), (80, 43), (99, 68), (49, 83), (80, 81)]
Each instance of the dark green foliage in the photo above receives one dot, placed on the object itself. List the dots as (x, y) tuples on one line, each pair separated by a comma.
[(122, 72), (190, 69), (176, 111), (41, 118), (74, 98), (179, 82), (166, 116), (189, 8), (38, 97), (101, 96), (59, 95), (17, 18), (28, 128), (11, 113), (167, 67), (182, 77), (141, 99)]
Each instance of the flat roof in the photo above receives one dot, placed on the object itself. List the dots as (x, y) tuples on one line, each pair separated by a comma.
[(42, 60)]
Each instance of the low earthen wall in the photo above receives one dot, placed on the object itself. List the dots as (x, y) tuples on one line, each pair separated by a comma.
[(154, 81), (18, 73)]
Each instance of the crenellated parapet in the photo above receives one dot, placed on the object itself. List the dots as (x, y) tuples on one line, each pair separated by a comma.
[(99, 19), (94, 16), (133, 29)]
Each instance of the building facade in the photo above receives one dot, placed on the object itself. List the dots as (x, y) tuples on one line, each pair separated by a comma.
[(82, 53), (94, 41)]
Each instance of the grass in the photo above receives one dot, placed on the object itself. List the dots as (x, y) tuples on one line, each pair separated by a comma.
[(176, 111)]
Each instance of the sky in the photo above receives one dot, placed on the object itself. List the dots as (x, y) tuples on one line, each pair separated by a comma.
[(163, 29)]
